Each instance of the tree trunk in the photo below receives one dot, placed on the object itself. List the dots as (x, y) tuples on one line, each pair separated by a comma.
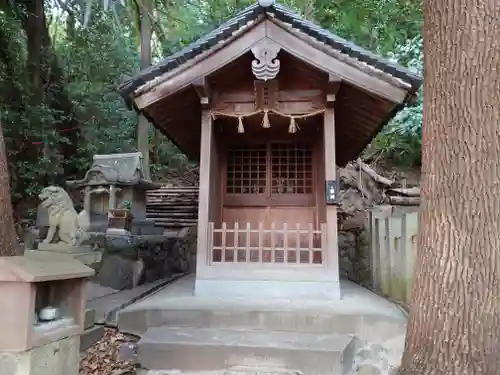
[(47, 79), (57, 97), (8, 237), (33, 21), (143, 123), (454, 325)]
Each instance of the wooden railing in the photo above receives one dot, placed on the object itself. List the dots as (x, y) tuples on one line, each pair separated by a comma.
[(287, 245)]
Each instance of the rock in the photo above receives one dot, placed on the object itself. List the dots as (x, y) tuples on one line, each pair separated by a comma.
[(137, 272), (367, 370), (128, 352), (116, 272)]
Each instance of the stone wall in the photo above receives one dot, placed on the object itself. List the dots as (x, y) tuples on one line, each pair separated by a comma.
[(354, 256), (125, 267)]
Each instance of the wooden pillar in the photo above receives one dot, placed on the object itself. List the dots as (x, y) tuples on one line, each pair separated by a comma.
[(332, 255), (204, 190)]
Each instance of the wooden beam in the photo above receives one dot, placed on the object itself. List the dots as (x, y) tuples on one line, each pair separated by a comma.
[(203, 90), (332, 88)]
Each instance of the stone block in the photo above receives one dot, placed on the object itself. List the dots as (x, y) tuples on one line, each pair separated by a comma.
[(64, 248), (90, 336), (197, 349), (90, 258), (118, 272), (128, 352), (89, 318), (57, 358)]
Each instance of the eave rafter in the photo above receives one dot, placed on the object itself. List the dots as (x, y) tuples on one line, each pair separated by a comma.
[(203, 90), (332, 88)]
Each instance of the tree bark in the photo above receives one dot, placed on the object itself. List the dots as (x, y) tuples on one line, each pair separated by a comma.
[(47, 79), (33, 21), (8, 237), (142, 122), (454, 324)]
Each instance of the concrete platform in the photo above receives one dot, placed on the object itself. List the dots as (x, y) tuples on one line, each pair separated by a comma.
[(197, 334), (360, 312), (107, 301), (210, 349)]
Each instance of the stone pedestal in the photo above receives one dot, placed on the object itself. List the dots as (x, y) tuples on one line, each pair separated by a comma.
[(84, 254), (64, 248), (56, 358)]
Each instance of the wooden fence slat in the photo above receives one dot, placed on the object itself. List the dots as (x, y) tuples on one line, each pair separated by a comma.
[(311, 243), (210, 241), (273, 241), (268, 252), (223, 240), (236, 241), (285, 242), (324, 245), (247, 248), (297, 244)]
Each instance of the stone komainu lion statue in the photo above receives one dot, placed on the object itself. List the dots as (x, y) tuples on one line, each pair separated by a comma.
[(63, 218)]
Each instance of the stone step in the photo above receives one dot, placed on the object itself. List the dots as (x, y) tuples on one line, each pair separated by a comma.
[(286, 317), (191, 349)]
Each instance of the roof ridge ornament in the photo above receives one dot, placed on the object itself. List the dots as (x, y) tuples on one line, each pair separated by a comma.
[(266, 65), (265, 3)]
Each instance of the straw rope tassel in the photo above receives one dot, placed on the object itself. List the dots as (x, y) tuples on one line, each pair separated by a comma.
[(241, 128), (266, 124), (293, 126)]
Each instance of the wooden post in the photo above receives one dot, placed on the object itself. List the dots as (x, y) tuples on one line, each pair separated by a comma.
[(331, 256), (204, 191)]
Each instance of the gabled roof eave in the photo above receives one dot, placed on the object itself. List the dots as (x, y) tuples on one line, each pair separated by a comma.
[(250, 17)]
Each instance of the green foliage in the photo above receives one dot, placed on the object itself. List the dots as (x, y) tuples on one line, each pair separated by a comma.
[(107, 124), (401, 140), (378, 25), (127, 205)]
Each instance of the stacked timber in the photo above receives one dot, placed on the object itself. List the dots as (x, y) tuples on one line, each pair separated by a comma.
[(362, 188), (393, 191), (173, 207)]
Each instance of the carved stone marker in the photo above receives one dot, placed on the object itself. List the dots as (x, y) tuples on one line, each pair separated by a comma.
[(63, 218)]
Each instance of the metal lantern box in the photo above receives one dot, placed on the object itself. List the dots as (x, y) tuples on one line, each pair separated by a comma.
[(43, 300)]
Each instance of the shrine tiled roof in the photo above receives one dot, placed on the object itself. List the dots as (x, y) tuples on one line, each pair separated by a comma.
[(281, 13)]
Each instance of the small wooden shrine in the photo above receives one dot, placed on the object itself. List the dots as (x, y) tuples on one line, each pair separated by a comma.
[(270, 104)]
